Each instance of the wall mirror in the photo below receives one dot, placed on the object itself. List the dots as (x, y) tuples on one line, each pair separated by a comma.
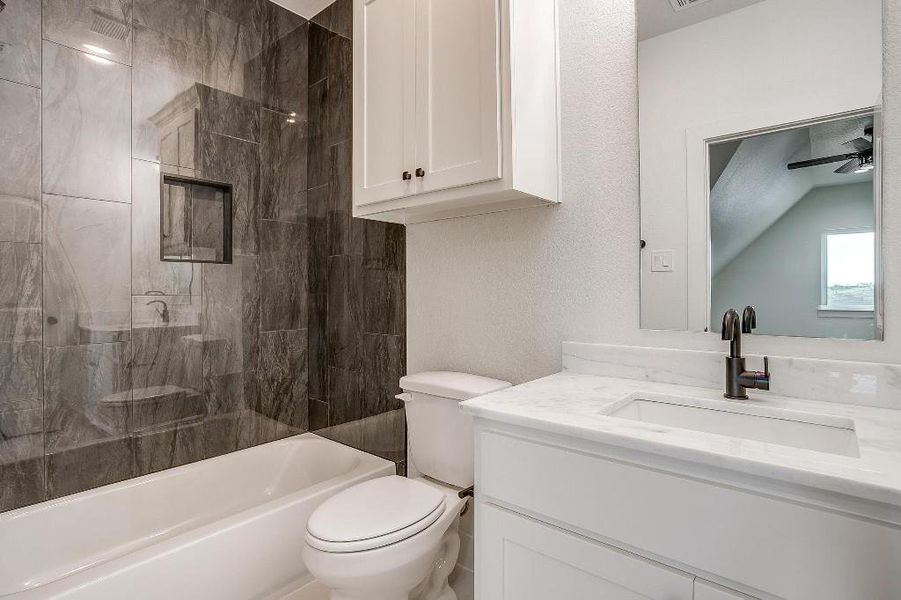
[(761, 148)]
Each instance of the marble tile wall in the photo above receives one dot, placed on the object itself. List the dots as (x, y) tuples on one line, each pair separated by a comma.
[(115, 364), (356, 280)]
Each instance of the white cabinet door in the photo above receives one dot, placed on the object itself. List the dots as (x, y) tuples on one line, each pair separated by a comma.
[(704, 590), (522, 559), (458, 134), (385, 94)]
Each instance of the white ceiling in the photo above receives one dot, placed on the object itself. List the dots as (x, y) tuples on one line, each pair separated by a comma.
[(305, 8), (656, 17)]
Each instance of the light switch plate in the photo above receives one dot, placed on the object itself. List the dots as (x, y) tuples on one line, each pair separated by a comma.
[(662, 261)]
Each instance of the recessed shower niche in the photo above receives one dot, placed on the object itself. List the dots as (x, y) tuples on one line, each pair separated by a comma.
[(195, 220)]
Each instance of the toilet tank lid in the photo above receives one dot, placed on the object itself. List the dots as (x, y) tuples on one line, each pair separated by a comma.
[(448, 384)]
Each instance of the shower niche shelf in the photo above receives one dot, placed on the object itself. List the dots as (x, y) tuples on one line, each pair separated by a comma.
[(195, 220)]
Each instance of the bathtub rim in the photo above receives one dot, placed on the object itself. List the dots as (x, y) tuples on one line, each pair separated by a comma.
[(369, 466)]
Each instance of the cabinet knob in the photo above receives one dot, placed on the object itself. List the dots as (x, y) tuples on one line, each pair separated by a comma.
[(407, 176), (420, 172)]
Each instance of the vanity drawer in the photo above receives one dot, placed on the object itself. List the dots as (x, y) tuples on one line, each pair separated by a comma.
[(759, 542)]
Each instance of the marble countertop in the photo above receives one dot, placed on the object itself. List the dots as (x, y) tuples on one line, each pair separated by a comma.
[(573, 404)]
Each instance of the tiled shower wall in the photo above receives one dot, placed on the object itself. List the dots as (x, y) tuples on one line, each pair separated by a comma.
[(114, 364)]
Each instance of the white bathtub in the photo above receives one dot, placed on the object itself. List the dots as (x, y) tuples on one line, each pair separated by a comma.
[(227, 528)]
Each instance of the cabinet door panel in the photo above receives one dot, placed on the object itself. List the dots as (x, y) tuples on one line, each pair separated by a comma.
[(384, 98), (457, 93), (522, 559)]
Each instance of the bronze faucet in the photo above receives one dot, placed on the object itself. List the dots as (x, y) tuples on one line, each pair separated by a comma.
[(738, 380)]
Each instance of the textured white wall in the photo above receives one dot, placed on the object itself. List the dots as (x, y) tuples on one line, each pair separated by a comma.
[(497, 294)]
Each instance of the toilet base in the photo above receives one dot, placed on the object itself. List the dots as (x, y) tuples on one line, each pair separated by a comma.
[(434, 587)]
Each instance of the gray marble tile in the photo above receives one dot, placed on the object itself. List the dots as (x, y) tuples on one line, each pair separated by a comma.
[(345, 233), (283, 275), (165, 98), (20, 32), (384, 282), (318, 150), (149, 273), (345, 312), (230, 393), (349, 433), (385, 435), (20, 292), (231, 432), (318, 234), (20, 171), (337, 17), (87, 271), (232, 54), (340, 90), (318, 414), (99, 27), (21, 373), (237, 162), (317, 343), (87, 395), (86, 125), (345, 396), (179, 19), (384, 363), (248, 13), (168, 448), (90, 466), (22, 480), (164, 365), (319, 38), (285, 61), (283, 168), (230, 321), (225, 113), (283, 378)]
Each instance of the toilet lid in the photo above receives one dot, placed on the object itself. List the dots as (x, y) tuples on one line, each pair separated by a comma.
[(364, 514)]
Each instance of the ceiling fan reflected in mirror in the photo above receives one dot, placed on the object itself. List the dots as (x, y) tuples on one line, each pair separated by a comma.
[(858, 161)]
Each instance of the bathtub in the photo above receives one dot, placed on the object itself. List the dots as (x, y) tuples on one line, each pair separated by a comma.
[(226, 528)]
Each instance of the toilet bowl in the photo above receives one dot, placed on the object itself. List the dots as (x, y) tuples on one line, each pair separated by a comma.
[(394, 538)]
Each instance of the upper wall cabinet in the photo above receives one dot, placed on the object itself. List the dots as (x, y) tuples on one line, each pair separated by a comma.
[(456, 107)]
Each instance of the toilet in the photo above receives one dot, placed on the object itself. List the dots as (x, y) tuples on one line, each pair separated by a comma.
[(396, 538)]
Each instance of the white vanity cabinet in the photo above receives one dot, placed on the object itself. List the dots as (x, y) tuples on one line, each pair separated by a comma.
[(565, 517), (524, 559), (455, 107)]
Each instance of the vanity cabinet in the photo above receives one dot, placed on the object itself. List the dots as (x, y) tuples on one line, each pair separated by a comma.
[(564, 513), (455, 107), (525, 559)]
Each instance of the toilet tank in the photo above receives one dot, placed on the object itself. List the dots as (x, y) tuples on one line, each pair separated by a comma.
[(439, 434)]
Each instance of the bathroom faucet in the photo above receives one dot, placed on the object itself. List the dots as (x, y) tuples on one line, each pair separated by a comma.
[(738, 380), (164, 314)]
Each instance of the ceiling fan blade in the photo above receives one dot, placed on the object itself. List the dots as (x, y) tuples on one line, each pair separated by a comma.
[(815, 162), (859, 144), (849, 167)]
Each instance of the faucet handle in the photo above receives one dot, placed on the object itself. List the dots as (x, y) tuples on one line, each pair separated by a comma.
[(766, 366), (748, 319)]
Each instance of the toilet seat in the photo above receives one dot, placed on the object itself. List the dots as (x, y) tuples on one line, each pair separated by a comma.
[(374, 514)]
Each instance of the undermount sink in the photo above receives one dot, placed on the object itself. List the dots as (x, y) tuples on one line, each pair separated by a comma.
[(822, 433)]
